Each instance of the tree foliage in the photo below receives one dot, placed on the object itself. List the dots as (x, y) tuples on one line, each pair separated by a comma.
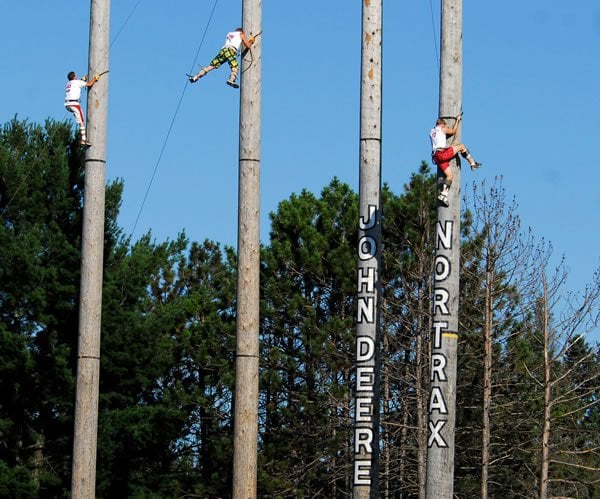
[(527, 376)]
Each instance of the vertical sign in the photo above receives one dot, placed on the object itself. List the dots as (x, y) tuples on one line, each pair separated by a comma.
[(442, 396), (366, 412)]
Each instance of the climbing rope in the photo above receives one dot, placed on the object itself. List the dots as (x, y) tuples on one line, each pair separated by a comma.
[(245, 51), (435, 42), (164, 145), (117, 34), (124, 23), (24, 180), (120, 30)]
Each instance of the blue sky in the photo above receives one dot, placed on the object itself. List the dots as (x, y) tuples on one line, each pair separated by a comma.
[(531, 83)]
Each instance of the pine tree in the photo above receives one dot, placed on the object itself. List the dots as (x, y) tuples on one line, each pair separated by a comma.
[(41, 182), (306, 348), (408, 228), (168, 340)]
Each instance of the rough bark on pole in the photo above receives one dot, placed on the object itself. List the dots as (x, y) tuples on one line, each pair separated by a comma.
[(444, 335), (248, 300), (366, 401), (83, 480)]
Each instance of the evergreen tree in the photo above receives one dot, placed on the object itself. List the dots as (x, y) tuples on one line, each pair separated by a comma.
[(167, 374), (307, 348), (41, 182), (408, 236), (576, 464), (168, 346)]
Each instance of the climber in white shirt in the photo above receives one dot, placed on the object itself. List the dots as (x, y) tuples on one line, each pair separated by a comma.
[(228, 54), (442, 154)]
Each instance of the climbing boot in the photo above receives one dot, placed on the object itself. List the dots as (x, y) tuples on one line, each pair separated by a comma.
[(195, 78)]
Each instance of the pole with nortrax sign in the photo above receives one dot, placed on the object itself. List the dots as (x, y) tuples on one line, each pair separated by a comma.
[(444, 334), (366, 402)]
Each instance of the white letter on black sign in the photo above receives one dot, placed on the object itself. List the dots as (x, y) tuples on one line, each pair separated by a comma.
[(366, 310), (438, 364), (364, 409), (367, 248), (364, 379), (362, 440), (442, 268), (366, 277), (440, 299), (362, 470), (444, 235), (435, 434), (438, 327), (370, 223), (437, 402), (365, 348)]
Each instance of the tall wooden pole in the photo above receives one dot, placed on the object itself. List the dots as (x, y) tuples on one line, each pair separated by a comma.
[(444, 337), (83, 481), (367, 397), (248, 270)]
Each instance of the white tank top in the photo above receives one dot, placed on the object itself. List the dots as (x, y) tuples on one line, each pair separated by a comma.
[(233, 40), (438, 138)]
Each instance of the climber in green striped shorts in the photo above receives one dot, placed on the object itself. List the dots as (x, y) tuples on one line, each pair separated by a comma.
[(228, 54)]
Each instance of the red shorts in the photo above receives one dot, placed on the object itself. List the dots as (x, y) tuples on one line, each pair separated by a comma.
[(442, 157)]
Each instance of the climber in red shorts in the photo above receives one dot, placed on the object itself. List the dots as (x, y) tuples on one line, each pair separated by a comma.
[(442, 153)]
